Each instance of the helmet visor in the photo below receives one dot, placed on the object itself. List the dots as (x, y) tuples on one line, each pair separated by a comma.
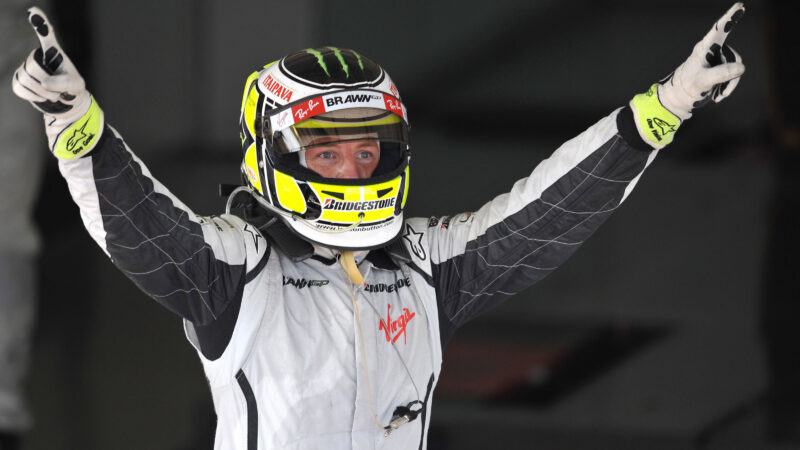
[(345, 125)]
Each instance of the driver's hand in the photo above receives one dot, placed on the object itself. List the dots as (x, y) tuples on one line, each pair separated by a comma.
[(52, 84), (711, 72)]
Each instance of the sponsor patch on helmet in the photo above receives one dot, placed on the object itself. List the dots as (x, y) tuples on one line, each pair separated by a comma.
[(350, 98), (308, 109), (353, 99), (277, 89), (394, 105), (369, 205), (251, 174)]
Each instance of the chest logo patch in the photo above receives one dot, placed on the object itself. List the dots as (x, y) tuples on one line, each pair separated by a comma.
[(397, 327), (383, 287), (300, 283)]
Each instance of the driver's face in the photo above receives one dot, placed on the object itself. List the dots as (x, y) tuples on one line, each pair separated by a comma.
[(350, 159)]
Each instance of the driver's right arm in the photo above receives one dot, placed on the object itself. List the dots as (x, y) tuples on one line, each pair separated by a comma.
[(195, 266)]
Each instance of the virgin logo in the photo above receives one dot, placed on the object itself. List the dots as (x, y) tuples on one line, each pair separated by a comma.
[(395, 328), (300, 112), (282, 119)]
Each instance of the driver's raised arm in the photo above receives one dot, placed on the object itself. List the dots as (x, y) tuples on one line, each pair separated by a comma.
[(478, 259), (195, 266)]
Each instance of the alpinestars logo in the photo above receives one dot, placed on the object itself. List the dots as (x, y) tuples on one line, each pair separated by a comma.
[(414, 239), (397, 327), (253, 233), (664, 127), (79, 139), (339, 205)]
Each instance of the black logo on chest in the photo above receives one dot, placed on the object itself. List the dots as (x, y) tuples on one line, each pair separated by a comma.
[(383, 287), (301, 283)]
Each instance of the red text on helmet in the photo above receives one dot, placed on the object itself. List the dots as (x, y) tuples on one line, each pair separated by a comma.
[(278, 89)]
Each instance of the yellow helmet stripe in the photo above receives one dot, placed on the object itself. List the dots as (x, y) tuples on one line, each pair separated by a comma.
[(289, 195), (315, 123), (405, 189), (251, 168), (247, 83)]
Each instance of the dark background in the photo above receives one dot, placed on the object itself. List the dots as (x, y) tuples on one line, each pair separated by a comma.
[(674, 327)]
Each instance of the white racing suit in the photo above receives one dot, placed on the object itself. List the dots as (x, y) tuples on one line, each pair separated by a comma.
[(276, 334)]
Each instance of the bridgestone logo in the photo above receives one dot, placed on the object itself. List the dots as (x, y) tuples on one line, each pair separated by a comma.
[(335, 205)]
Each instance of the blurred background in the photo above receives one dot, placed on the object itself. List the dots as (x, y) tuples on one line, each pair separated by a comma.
[(674, 327)]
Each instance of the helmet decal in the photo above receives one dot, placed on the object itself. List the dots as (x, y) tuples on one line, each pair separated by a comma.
[(339, 56), (320, 60), (251, 168), (250, 107), (360, 62), (405, 188), (328, 67), (277, 89), (288, 193), (247, 84)]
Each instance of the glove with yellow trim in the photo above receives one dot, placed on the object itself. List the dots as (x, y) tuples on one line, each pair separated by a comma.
[(711, 72), (52, 84)]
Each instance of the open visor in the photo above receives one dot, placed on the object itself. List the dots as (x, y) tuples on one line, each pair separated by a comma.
[(353, 124)]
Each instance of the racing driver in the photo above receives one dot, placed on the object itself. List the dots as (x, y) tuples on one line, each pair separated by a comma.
[(319, 312)]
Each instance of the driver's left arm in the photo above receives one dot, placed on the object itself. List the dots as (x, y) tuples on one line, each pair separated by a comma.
[(480, 259)]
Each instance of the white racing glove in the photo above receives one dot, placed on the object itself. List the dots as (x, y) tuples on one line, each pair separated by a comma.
[(711, 72), (52, 84)]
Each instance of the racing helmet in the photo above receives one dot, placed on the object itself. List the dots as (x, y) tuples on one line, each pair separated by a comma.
[(326, 96)]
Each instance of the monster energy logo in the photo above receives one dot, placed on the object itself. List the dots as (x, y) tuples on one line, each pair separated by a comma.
[(320, 61), (339, 56), (360, 63), (338, 53)]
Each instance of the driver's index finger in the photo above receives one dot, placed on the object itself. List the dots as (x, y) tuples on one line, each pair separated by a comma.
[(44, 31), (719, 32)]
